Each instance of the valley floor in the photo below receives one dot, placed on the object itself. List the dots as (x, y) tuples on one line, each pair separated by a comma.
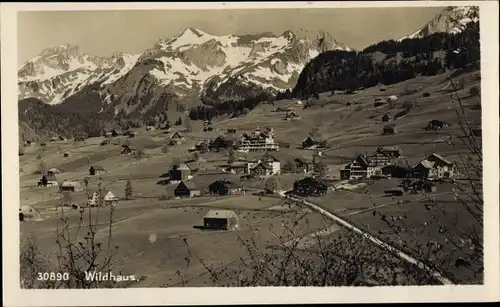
[(158, 239)]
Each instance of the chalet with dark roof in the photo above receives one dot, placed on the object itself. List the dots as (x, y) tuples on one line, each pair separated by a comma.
[(186, 189), (398, 168), (387, 118), (116, 132), (224, 187), (345, 172), (436, 125), (359, 168), (219, 143), (127, 150), (221, 220), (71, 186), (261, 170), (303, 165), (96, 170), (434, 167), (382, 157), (180, 172), (309, 186), (48, 180), (389, 129), (309, 142)]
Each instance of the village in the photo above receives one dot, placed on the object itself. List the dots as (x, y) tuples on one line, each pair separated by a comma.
[(233, 175)]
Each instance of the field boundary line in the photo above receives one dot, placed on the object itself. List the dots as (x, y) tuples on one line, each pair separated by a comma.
[(438, 276)]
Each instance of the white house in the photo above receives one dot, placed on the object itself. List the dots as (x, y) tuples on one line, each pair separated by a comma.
[(272, 162), (110, 198), (94, 200), (258, 141), (435, 167)]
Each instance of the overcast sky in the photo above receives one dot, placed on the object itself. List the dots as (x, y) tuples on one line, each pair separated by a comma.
[(103, 32)]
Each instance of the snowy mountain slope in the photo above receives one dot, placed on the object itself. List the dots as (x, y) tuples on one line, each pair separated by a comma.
[(61, 71), (183, 66), (450, 20)]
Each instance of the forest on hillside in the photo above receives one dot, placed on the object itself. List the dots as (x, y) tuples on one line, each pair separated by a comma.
[(387, 62)]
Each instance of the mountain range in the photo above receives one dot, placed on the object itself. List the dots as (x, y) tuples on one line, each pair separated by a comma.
[(184, 65), (189, 69)]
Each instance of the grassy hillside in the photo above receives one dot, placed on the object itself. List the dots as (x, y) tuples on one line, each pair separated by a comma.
[(349, 122)]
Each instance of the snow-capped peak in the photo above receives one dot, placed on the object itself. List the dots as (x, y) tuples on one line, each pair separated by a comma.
[(452, 19), (185, 64)]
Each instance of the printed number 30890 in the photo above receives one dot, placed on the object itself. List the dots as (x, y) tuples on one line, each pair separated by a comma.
[(53, 276)]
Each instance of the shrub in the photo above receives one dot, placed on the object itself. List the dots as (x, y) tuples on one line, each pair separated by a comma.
[(426, 94), (348, 104), (474, 91)]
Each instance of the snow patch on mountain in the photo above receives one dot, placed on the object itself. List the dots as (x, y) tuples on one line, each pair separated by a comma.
[(451, 20), (186, 65)]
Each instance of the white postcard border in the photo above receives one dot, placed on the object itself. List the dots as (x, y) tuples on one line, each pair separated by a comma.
[(14, 296)]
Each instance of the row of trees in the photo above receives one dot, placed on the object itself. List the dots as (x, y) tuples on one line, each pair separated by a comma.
[(233, 107)]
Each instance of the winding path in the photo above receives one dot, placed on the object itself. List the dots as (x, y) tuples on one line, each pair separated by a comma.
[(438, 276)]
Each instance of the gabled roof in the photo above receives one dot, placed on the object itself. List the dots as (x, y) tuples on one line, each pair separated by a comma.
[(98, 167), (70, 184), (362, 160), (439, 157), (183, 166), (309, 138), (223, 214), (227, 183), (401, 163), (269, 157), (426, 163), (261, 165), (110, 196), (50, 177), (187, 184), (176, 135)]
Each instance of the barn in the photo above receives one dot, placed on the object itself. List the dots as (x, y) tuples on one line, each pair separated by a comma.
[(186, 189), (73, 186), (96, 170), (221, 220)]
